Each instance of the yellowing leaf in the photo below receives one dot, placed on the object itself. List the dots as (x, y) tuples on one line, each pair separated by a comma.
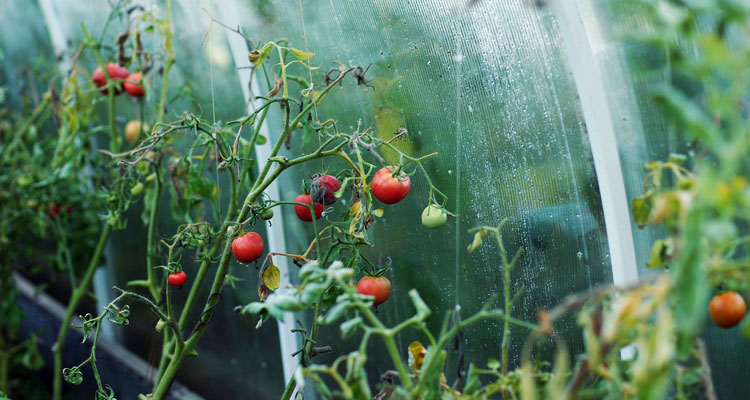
[(417, 353), (315, 95), (264, 52), (476, 242), (302, 55), (378, 212), (271, 277), (355, 208)]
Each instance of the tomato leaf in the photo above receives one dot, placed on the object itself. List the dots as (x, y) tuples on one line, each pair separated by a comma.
[(417, 353), (302, 55), (476, 242), (271, 277), (264, 52)]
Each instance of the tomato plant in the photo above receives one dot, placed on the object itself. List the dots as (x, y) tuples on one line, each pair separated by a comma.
[(177, 278), (727, 309), (388, 188), (378, 287), (303, 212), (248, 247)]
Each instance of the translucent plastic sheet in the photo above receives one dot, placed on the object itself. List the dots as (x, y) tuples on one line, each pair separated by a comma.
[(488, 88)]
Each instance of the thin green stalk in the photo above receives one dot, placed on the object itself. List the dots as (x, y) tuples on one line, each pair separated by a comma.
[(505, 345), (390, 344), (289, 390), (115, 139), (152, 240), (92, 358), (4, 364), (73, 303), (168, 64)]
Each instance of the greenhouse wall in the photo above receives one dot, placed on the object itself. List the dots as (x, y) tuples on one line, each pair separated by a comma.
[(540, 112)]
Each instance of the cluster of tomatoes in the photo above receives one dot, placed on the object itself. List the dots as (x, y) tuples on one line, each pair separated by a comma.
[(132, 84), (388, 185)]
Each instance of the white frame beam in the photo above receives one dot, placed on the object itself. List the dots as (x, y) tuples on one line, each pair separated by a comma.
[(600, 129), (229, 15)]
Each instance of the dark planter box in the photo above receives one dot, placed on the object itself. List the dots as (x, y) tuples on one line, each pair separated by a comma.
[(126, 373)]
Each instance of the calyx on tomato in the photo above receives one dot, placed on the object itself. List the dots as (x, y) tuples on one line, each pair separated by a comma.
[(387, 188)]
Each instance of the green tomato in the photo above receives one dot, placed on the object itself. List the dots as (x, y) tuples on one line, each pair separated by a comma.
[(267, 214), (137, 189), (24, 181), (433, 216)]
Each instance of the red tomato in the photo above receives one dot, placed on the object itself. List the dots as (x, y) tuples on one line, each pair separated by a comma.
[(323, 188), (115, 72), (389, 189), (53, 210), (376, 286), (177, 279), (303, 213), (134, 85), (727, 309), (248, 247)]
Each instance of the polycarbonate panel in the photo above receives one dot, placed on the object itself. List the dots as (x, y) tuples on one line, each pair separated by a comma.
[(643, 135), (487, 87), (25, 56)]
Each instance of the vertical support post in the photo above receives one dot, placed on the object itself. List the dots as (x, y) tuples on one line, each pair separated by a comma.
[(587, 76), (228, 14), (101, 280)]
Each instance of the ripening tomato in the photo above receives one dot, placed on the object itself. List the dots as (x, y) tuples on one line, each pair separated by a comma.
[(376, 286), (177, 278), (303, 213), (433, 216), (323, 188), (133, 130), (387, 188), (248, 247), (115, 72), (727, 309), (134, 85)]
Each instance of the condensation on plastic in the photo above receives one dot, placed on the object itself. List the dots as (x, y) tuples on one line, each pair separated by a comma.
[(486, 86)]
